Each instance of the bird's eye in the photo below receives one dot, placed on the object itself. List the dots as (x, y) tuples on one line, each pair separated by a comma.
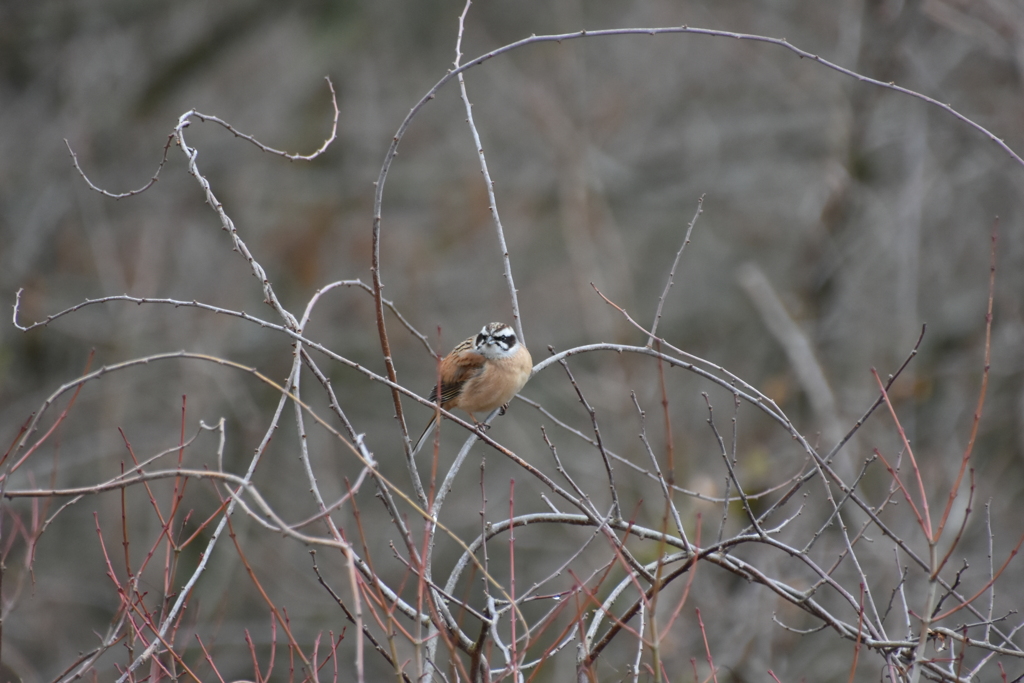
[(506, 340)]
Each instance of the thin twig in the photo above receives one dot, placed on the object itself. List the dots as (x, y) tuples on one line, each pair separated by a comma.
[(672, 271), (492, 202)]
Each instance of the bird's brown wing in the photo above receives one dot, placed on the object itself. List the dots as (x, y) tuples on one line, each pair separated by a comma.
[(467, 366)]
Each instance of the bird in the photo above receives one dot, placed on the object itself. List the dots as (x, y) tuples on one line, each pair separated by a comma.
[(482, 373)]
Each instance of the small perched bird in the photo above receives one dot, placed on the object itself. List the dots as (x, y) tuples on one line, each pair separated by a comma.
[(481, 374)]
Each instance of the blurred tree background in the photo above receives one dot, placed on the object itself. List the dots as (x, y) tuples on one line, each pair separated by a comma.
[(867, 213)]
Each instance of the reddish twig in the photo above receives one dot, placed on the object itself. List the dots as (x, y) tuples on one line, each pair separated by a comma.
[(281, 617), (984, 382), (906, 494), (988, 584), (56, 423), (860, 630), (689, 581), (707, 648), (208, 658), (927, 521)]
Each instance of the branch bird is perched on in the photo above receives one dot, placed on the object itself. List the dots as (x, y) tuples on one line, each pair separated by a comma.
[(482, 373)]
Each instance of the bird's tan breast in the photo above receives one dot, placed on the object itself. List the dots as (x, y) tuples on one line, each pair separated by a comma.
[(501, 379)]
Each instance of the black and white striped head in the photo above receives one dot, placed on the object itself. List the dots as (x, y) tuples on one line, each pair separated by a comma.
[(496, 340)]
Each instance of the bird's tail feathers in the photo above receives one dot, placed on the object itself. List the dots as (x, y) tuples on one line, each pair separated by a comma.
[(428, 430)]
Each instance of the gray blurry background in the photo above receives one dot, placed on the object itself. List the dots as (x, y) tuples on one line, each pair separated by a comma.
[(867, 212)]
